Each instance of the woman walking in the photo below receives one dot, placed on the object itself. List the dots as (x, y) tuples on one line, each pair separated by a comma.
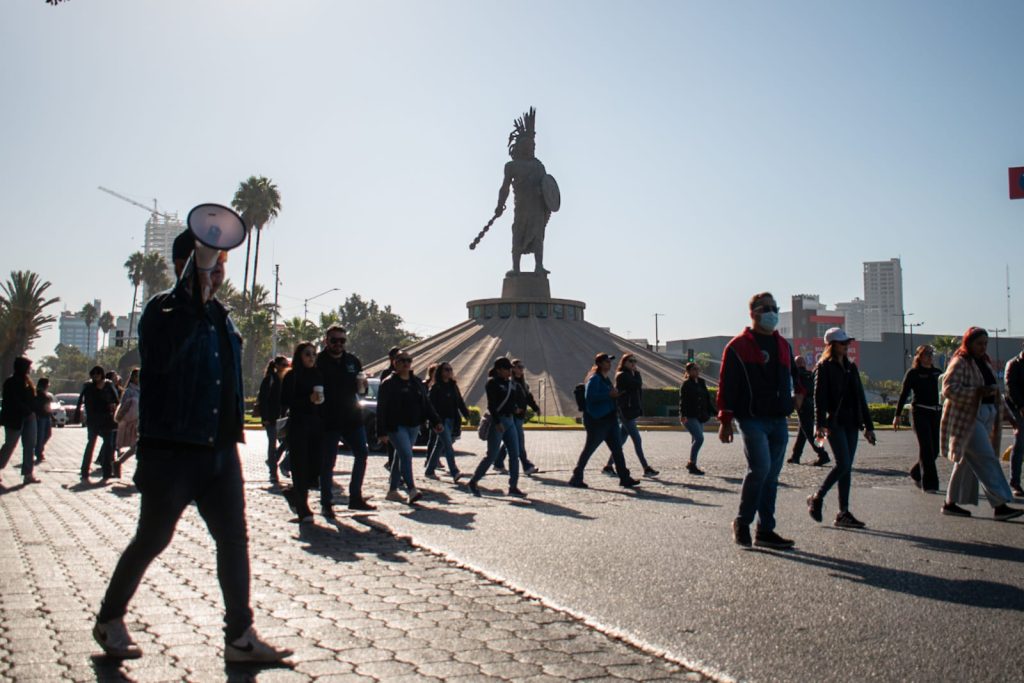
[(970, 430), (44, 417), (127, 419), (268, 409), (522, 398), (601, 423), (402, 408), (630, 386), (18, 419), (694, 410), (302, 392), (922, 380), (451, 408), (841, 410), (500, 404)]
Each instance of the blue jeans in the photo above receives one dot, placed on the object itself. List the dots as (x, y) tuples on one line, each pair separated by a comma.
[(508, 436), (503, 451), (764, 445), (168, 481), (44, 430), (27, 434), (355, 439), (402, 439), (601, 430), (443, 444), (843, 441), (696, 429), (629, 430)]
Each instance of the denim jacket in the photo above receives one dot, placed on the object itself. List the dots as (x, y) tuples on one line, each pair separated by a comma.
[(180, 369)]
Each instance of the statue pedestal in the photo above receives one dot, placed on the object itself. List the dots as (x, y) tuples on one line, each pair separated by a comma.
[(526, 286)]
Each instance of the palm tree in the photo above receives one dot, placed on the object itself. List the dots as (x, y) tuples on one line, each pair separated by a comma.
[(134, 266), (259, 202), (945, 345), (297, 330), (22, 300), (155, 275), (106, 324), (89, 314)]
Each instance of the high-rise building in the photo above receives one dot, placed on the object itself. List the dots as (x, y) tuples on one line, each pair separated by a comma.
[(74, 331), (119, 335), (853, 311), (883, 298), (160, 233)]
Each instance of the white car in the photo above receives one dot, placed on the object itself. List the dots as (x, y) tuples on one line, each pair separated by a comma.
[(58, 414)]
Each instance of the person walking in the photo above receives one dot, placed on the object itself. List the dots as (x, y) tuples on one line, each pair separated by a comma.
[(451, 408), (268, 409), (600, 420), (841, 410), (694, 410), (402, 408), (629, 402), (970, 430), (805, 416), (19, 419), (522, 398), (41, 406), (190, 422), (100, 399), (344, 384), (1013, 375), (922, 380), (756, 387), (302, 393), (127, 419), (500, 390)]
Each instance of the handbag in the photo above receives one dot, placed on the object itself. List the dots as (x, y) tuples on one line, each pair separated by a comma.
[(483, 430)]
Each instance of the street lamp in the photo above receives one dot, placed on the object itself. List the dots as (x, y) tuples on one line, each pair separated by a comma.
[(912, 326), (903, 331), (305, 302)]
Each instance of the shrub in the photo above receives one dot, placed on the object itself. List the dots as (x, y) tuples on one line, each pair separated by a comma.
[(474, 416), (882, 413)]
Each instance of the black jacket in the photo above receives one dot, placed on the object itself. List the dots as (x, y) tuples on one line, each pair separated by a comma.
[(497, 389), (341, 401), (18, 397), (630, 385), (296, 389), (695, 400), (522, 398), (447, 401), (268, 400), (403, 403), (839, 397), (1014, 376), (924, 384), (746, 387), (100, 403)]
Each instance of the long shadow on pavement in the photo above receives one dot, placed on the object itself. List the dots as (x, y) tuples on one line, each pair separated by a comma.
[(971, 592), (344, 543), (441, 517), (548, 508), (991, 551)]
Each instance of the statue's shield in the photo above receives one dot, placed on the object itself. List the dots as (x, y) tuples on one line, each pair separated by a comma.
[(552, 197)]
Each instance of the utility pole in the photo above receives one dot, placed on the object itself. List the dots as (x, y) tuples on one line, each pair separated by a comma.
[(903, 331), (305, 302), (912, 326), (656, 340), (277, 284)]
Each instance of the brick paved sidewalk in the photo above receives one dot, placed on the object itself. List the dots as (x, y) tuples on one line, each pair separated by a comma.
[(355, 602)]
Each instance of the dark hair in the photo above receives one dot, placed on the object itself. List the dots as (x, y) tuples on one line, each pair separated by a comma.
[(431, 369), (133, 373), (335, 328), (271, 368), (43, 384), (97, 370), (21, 366), (757, 297), (439, 372), (689, 366), (922, 350), (297, 356), (626, 357), (393, 351)]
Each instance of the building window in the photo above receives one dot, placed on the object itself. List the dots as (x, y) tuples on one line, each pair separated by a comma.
[(570, 312), (504, 310), (488, 310), (540, 310), (522, 310), (558, 311)]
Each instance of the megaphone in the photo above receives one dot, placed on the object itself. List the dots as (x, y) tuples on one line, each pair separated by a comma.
[(216, 228)]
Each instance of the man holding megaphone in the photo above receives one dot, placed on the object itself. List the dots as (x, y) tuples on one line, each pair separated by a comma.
[(190, 422)]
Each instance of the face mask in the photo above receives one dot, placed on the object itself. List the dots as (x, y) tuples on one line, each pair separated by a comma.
[(769, 320)]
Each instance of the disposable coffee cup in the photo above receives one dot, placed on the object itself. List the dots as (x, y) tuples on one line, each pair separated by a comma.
[(361, 383), (319, 391)]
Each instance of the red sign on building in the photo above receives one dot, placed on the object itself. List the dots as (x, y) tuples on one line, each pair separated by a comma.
[(811, 349), (1017, 182)]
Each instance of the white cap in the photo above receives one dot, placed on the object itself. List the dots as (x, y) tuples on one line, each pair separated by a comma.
[(836, 334)]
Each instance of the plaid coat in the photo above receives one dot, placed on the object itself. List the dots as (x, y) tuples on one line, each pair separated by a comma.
[(960, 386)]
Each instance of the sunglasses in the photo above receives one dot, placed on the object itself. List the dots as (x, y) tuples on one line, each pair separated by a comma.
[(337, 340), (768, 309), (403, 360)]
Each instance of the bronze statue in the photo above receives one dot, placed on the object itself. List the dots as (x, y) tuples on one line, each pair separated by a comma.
[(536, 195)]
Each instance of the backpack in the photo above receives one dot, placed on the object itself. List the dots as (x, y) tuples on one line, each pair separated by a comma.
[(579, 392)]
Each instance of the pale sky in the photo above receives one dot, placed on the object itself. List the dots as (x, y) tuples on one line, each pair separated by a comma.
[(705, 150)]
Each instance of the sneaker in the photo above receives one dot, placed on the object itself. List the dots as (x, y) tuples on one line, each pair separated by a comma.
[(251, 648), (1004, 512), (113, 637), (473, 488), (629, 483), (795, 460), (650, 472), (414, 495), (814, 505), (40, 459), (501, 468), (456, 476), (394, 496), (692, 468), (531, 470), (822, 461), (31, 480), (954, 510), (741, 533), (609, 470), (360, 504), (846, 520), (431, 475), (514, 491), (1017, 490), (578, 484), (770, 539), (915, 474)]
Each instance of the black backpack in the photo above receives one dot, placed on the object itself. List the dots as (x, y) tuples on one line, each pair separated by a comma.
[(579, 392)]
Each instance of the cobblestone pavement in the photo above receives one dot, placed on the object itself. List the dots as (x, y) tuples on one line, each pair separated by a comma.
[(356, 602)]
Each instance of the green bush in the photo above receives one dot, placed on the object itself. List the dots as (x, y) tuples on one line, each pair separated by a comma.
[(664, 402), (474, 416), (882, 413)]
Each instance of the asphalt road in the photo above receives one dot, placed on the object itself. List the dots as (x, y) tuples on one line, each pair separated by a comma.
[(916, 597)]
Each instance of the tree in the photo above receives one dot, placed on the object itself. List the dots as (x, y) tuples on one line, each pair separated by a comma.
[(294, 331), (885, 388), (89, 314), (945, 345), (68, 368), (155, 274), (22, 302), (703, 361), (134, 266), (107, 323), (259, 202), (372, 330)]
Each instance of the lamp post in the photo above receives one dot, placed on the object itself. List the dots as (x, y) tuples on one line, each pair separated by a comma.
[(903, 331), (305, 302), (912, 326)]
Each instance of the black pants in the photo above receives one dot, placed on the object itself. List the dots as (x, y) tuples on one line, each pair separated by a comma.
[(805, 434), (305, 448), (602, 430), (926, 426), (168, 481), (105, 460)]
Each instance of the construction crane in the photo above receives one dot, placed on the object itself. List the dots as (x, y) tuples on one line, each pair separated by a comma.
[(153, 210)]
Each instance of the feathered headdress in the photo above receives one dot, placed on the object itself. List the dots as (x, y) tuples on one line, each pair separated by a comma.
[(524, 127)]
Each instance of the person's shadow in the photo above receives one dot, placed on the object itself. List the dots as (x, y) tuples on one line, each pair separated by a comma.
[(441, 517), (341, 542), (966, 591), (991, 551)]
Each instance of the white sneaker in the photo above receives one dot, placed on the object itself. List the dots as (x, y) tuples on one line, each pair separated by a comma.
[(394, 496), (114, 639), (414, 495), (251, 648)]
